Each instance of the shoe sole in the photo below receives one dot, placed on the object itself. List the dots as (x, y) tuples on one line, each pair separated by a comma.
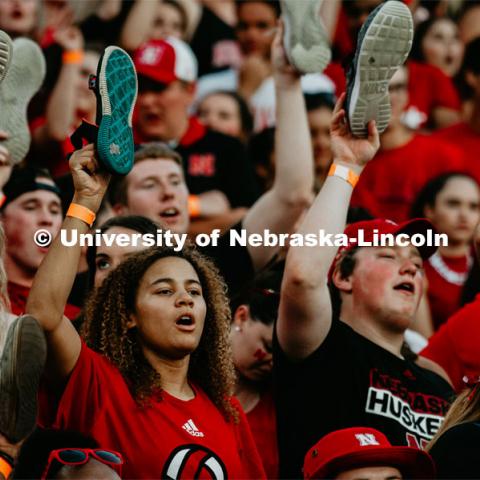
[(116, 96), (6, 48), (23, 79), (21, 368), (384, 43), (305, 41)]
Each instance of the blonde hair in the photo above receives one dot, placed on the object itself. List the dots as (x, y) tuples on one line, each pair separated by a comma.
[(465, 409)]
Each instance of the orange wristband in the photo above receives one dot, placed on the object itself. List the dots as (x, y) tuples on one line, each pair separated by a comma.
[(5, 468), (82, 213), (194, 206), (344, 172), (72, 57)]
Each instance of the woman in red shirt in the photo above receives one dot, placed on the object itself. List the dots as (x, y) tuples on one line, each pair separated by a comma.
[(452, 203), (156, 377), (254, 312)]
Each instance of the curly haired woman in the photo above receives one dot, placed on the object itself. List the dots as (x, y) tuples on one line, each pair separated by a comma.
[(156, 379)]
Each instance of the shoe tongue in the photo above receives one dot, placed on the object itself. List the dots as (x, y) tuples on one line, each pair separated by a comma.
[(86, 131)]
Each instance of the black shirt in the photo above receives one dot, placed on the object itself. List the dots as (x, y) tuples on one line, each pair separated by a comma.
[(213, 161), (214, 44), (350, 381), (234, 262)]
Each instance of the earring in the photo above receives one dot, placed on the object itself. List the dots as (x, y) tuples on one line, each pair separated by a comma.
[(237, 328)]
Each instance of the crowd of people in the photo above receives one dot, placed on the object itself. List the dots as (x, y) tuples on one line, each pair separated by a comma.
[(231, 117)]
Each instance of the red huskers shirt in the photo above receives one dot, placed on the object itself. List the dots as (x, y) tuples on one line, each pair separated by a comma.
[(455, 346), (391, 181), (170, 439)]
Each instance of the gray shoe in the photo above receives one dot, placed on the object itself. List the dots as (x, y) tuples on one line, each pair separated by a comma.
[(21, 367), (383, 45), (305, 40), (24, 78), (5, 54)]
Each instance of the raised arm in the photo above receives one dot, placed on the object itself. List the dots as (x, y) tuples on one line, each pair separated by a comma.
[(54, 278), (279, 209), (305, 307), (138, 24), (62, 103)]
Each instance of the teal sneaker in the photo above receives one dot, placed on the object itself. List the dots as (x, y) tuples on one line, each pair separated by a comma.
[(116, 88)]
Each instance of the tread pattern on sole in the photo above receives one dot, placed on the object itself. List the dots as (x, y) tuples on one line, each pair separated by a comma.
[(307, 44), (384, 48), (5, 54), (23, 79), (21, 368), (118, 92)]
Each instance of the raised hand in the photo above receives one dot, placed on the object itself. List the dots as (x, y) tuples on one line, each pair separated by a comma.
[(70, 38), (89, 179), (283, 72), (347, 148)]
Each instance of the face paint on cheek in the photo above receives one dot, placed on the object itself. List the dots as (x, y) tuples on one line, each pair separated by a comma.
[(260, 354)]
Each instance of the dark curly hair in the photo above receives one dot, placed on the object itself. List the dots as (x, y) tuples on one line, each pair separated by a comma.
[(107, 315)]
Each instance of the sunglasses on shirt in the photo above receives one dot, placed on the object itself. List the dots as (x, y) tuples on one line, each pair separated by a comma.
[(80, 456)]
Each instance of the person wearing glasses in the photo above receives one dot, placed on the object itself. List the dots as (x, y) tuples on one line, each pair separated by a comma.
[(153, 377), (62, 454)]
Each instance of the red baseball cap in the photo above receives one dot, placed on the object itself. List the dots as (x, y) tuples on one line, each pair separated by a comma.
[(166, 61), (361, 447), (379, 226)]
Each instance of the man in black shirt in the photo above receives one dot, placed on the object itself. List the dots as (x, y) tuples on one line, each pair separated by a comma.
[(338, 369), (167, 71), (156, 186)]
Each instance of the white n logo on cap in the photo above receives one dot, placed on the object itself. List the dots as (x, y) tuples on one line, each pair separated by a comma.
[(151, 55), (365, 439)]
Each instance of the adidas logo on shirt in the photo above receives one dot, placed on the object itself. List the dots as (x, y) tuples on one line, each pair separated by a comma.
[(192, 429)]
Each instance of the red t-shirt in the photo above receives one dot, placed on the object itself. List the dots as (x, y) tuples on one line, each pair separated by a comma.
[(391, 181), (170, 439), (263, 424), (428, 88), (467, 141), (444, 296), (455, 346), (18, 295)]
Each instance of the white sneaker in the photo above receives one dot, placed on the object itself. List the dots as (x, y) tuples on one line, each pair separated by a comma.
[(22, 81), (5, 53), (383, 45), (305, 40)]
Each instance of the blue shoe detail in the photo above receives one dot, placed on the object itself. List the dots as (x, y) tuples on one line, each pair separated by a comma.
[(116, 95)]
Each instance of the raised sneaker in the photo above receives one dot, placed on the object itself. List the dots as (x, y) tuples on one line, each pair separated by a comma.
[(22, 81), (6, 49), (383, 45), (21, 368), (305, 40)]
